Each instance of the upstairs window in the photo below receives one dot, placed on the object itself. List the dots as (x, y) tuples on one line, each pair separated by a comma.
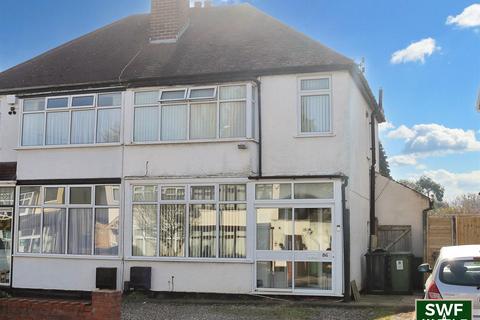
[(197, 113), (72, 120), (315, 106)]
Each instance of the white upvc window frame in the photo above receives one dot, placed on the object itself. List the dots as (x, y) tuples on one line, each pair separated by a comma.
[(187, 202), (305, 93), (250, 113), (214, 95), (185, 95), (70, 109), (67, 206)]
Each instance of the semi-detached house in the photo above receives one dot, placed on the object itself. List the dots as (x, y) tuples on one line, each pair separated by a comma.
[(216, 146)]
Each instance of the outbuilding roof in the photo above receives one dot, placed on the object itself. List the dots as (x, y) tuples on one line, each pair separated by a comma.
[(220, 43)]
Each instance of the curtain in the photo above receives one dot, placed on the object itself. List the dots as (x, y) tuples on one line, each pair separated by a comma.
[(144, 230), (146, 97), (108, 125), (233, 227), (315, 84), (172, 230), (83, 127), (233, 93), (232, 119), (174, 122), (202, 228), (146, 124), (203, 121), (57, 128), (80, 231), (54, 230), (32, 134), (29, 230), (316, 113), (106, 231)]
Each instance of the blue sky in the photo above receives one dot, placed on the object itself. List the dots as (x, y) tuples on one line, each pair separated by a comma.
[(430, 87)]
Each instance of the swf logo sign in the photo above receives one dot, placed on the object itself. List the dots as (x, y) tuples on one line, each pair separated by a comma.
[(443, 309)]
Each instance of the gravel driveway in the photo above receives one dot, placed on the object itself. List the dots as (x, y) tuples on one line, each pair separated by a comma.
[(156, 309)]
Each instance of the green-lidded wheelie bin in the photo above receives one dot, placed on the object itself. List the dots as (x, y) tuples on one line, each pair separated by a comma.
[(400, 272)]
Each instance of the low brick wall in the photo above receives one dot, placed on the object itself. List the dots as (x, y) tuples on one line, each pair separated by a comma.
[(105, 305)]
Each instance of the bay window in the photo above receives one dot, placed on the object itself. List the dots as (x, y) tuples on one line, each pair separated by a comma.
[(72, 120), (196, 221), (74, 220), (315, 106), (197, 113)]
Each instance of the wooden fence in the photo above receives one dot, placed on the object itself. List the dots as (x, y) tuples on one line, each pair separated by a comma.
[(450, 230)]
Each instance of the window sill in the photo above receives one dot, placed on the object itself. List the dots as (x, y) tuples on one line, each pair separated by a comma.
[(68, 146), (190, 260), (314, 135), (65, 256), (173, 142)]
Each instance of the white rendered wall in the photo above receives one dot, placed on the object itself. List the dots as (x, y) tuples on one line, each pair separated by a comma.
[(212, 277), (284, 151), (359, 142), (70, 163), (191, 160), (8, 131)]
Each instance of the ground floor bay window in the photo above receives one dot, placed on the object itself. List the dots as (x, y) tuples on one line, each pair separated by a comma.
[(75, 220), (207, 221)]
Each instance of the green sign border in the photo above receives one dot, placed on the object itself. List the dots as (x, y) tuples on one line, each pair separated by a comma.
[(466, 301)]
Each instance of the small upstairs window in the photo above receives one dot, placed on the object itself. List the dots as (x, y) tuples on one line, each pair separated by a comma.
[(315, 106)]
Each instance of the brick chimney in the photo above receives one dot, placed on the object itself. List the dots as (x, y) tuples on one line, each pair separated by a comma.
[(168, 20)]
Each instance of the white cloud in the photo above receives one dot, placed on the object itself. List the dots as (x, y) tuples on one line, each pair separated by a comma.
[(416, 51), (402, 132), (456, 183), (403, 160), (385, 126), (433, 137), (469, 18), (427, 140)]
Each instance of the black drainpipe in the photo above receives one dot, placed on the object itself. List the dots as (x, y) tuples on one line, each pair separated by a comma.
[(259, 108), (346, 243), (425, 226)]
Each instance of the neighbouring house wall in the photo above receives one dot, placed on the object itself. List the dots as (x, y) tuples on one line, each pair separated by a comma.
[(70, 163), (399, 205), (8, 132), (62, 273)]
